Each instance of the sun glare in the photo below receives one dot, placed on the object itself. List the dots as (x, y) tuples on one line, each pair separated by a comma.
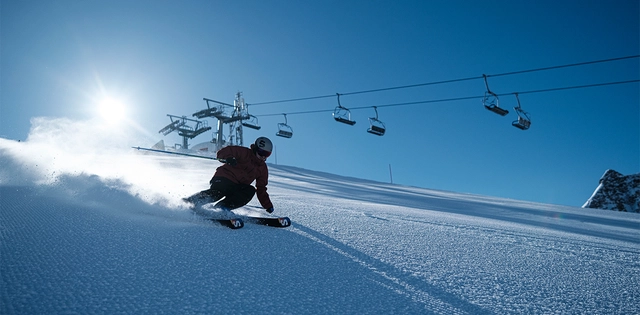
[(112, 110)]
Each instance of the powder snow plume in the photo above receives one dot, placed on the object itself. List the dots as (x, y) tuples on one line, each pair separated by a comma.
[(60, 147)]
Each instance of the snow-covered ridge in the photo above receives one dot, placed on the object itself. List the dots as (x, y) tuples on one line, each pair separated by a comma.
[(616, 192)]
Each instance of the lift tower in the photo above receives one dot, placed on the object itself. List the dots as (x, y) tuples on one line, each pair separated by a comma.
[(239, 113)]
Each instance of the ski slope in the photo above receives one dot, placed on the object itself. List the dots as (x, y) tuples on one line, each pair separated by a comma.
[(88, 232)]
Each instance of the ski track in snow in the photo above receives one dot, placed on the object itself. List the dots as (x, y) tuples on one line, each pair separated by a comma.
[(81, 243)]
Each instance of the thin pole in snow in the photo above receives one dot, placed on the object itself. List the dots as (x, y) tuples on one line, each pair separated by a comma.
[(390, 174)]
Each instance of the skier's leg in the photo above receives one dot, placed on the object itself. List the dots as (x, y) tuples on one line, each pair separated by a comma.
[(200, 198), (219, 188), (238, 197)]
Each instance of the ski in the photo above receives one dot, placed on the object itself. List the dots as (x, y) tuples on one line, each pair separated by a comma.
[(271, 221), (238, 223), (258, 217), (238, 220), (233, 224)]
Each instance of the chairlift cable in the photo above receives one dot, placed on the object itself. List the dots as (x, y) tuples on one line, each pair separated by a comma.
[(575, 87), (293, 100), (301, 113), (562, 66), (460, 98), (451, 81), (411, 86)]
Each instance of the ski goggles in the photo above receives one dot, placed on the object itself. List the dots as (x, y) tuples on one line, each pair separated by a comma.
[(263, 153)]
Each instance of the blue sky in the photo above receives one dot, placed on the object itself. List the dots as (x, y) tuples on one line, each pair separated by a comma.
[(59, 58)]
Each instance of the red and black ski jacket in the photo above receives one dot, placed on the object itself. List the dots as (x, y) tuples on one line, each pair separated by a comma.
[(248, 169)]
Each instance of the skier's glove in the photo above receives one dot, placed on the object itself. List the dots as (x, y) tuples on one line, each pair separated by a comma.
[(231, 161), (270, 210)]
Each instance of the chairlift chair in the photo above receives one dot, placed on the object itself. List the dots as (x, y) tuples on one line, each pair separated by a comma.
[(376, 126), (524, 120), (491, 101), (252, 122), (284, 130), (342, 114)]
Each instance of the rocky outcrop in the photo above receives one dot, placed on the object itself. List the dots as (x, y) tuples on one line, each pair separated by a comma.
[(616, 192)]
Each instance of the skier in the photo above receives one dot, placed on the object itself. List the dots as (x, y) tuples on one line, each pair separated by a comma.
[(232, 181)]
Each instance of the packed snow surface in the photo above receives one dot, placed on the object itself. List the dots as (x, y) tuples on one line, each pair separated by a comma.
[(92, 232)]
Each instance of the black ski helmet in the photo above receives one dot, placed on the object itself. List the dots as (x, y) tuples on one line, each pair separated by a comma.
[(263, 143)]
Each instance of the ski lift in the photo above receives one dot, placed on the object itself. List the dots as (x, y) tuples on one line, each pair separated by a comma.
[(342, 114), (376, 126), (524, 120), (252, 122), (284, 130), (490, 100), (219, 142)]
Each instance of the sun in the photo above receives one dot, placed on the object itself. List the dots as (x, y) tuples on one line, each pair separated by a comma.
[(112, 110)]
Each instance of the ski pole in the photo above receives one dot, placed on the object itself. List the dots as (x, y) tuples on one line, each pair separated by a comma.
[(183, 154)]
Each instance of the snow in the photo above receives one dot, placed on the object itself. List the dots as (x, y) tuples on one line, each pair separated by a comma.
[(88, 230)]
